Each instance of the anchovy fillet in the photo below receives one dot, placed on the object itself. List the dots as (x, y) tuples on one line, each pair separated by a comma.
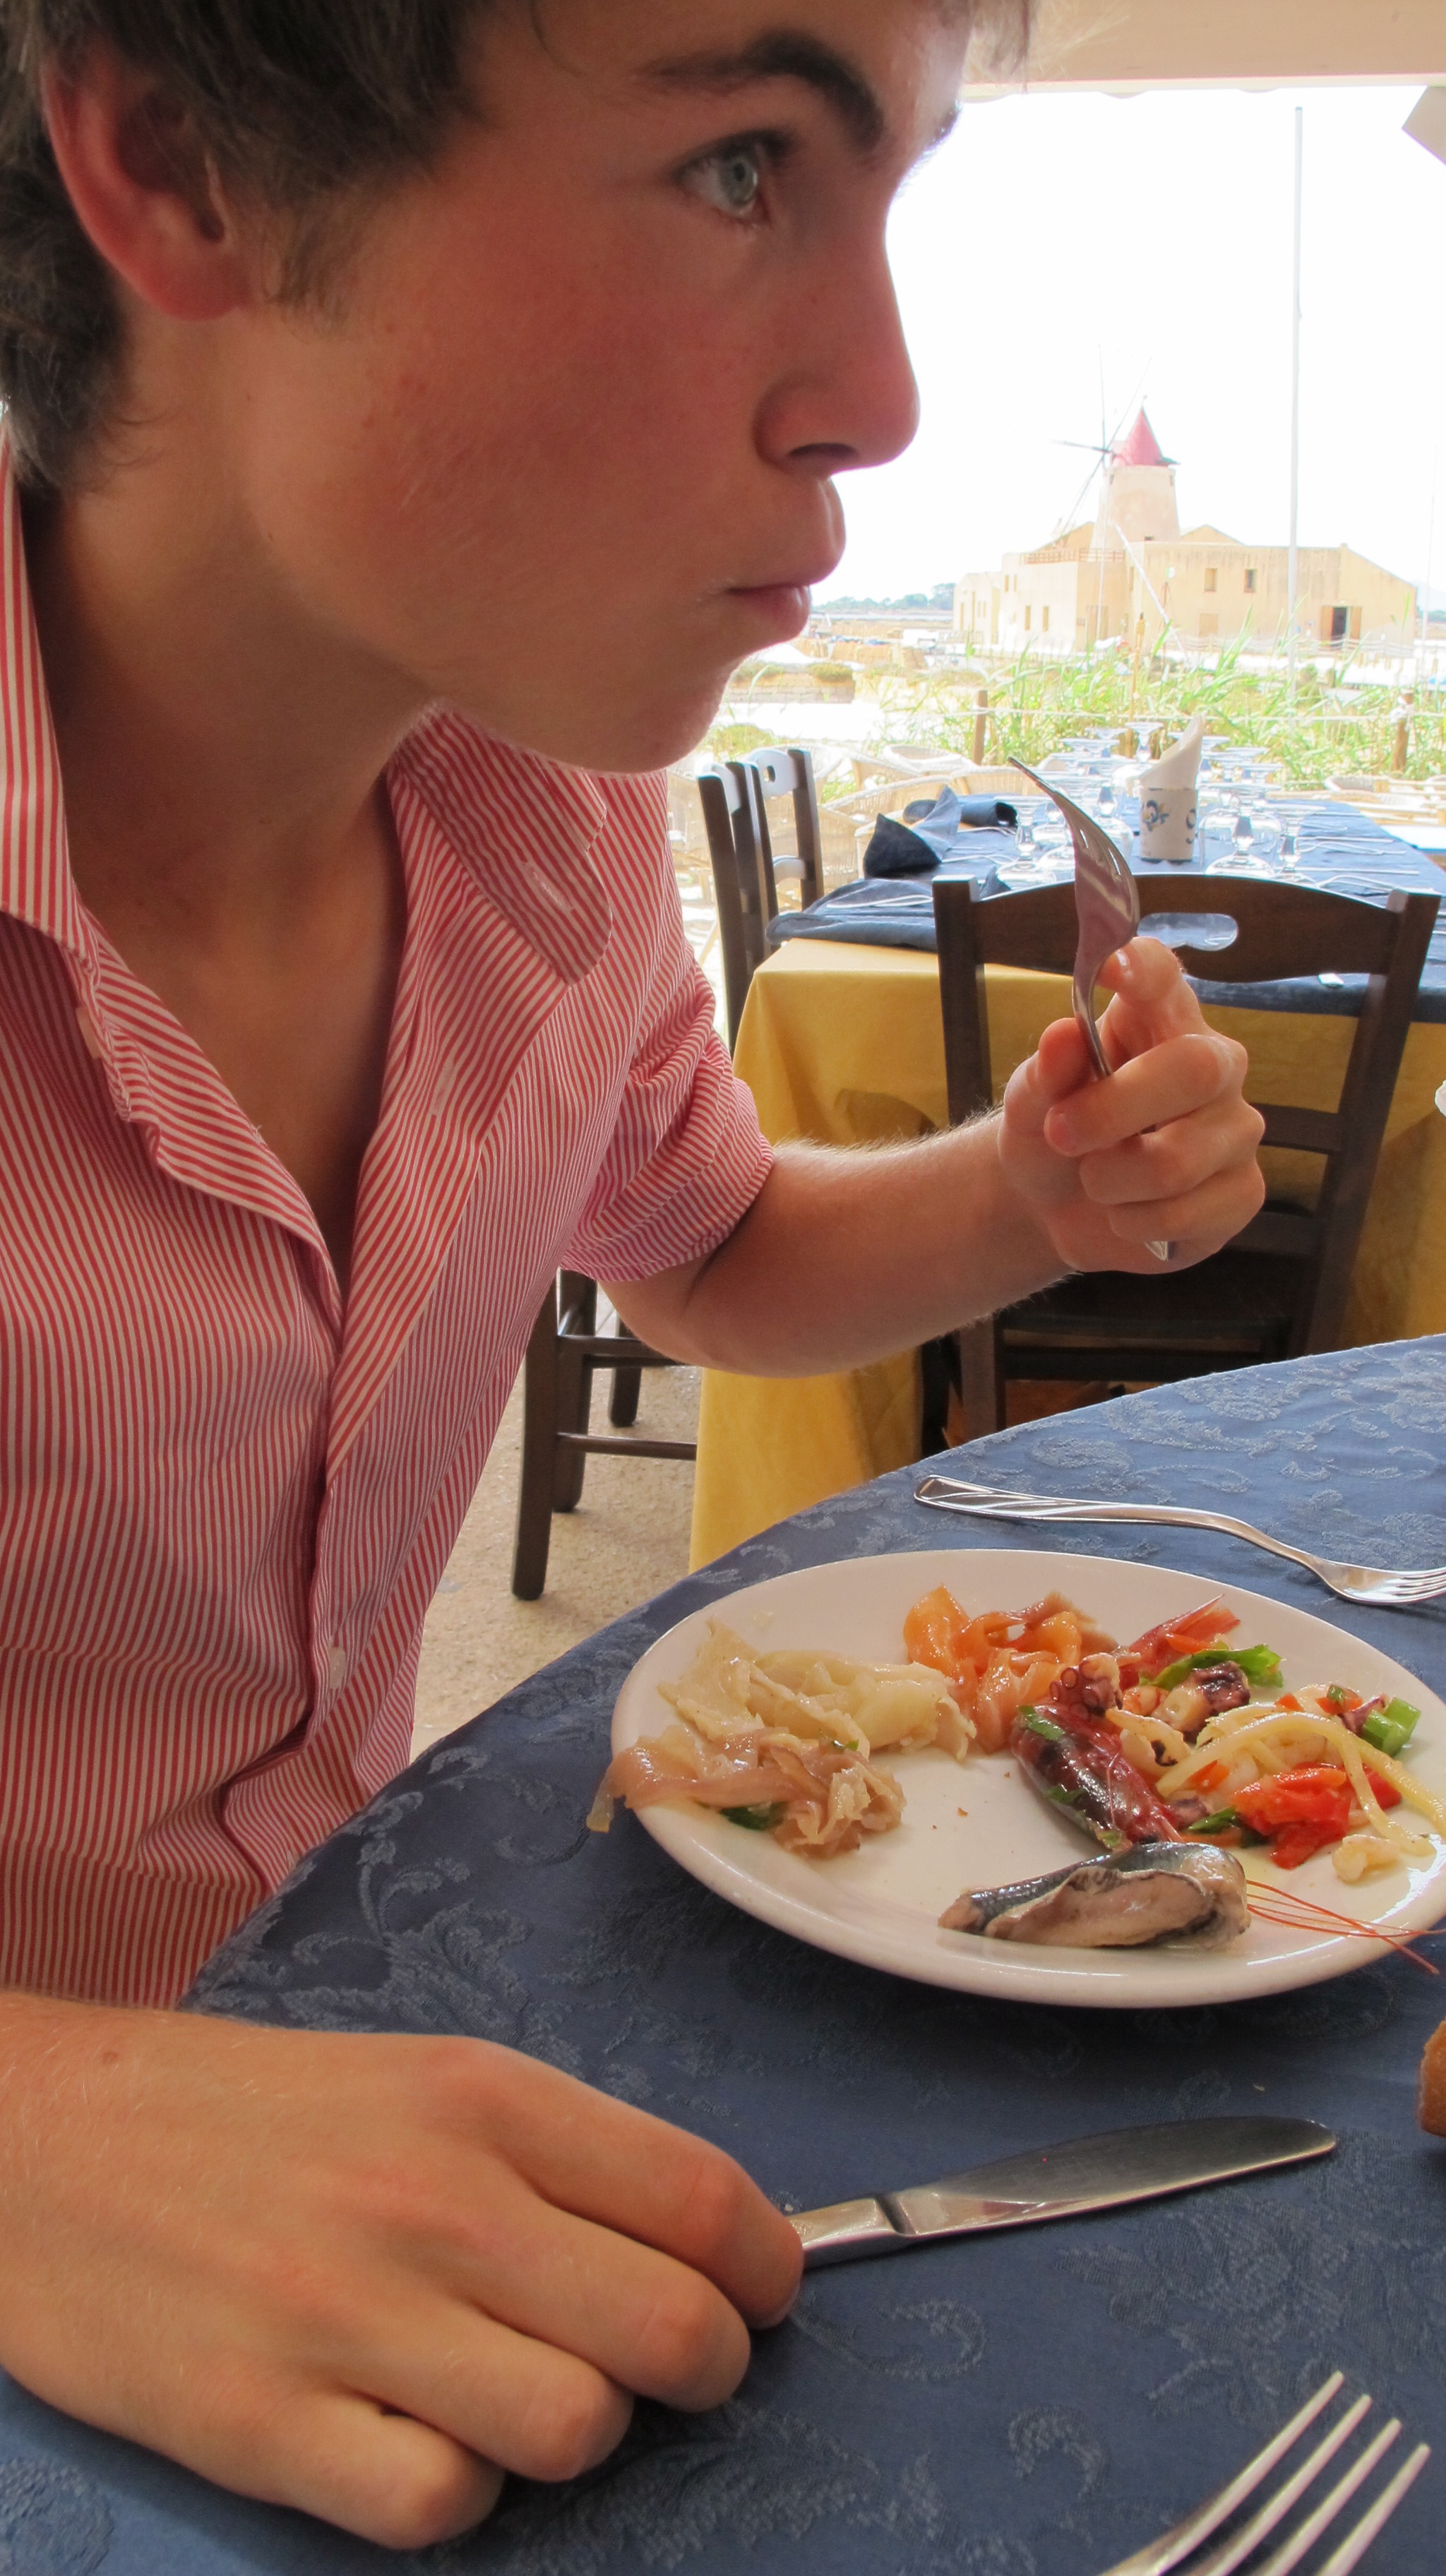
[(1175, 1892)]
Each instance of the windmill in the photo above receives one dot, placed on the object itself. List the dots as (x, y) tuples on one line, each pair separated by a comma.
[(1102, 450)]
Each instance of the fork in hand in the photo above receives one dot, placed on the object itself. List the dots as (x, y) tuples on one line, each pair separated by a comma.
[(1178, 2548), (1107, 908)]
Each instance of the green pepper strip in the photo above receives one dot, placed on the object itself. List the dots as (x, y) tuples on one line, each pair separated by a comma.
[(1044, 1726), (1391, 1728), (755, 1820), (1258, 1664), (1215, 1824)]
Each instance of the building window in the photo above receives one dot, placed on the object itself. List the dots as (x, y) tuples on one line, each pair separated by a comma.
[(1044, 621), (1250, 577), (1212, 577), (1028, 619)]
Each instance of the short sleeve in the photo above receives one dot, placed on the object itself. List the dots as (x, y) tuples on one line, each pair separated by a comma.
[(687, 1156)]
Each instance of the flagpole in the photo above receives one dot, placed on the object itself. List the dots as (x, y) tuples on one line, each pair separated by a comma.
[(1293, 576)]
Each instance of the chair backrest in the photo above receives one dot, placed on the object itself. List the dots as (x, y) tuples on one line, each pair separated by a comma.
[(1281, 931), (735, 802), (766, 775)]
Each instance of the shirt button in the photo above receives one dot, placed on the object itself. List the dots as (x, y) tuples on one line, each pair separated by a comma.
[(336, 1666)]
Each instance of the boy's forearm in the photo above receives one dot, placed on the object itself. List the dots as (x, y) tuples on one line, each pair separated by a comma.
[(847, 1257)]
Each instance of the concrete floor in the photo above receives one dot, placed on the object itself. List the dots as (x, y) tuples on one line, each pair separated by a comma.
[(627, 1539)]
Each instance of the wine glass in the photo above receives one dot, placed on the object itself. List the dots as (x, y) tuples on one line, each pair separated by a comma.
[(1267, 834), (1217, 832)]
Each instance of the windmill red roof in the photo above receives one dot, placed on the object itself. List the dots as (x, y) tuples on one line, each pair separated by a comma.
[(1141, 447)]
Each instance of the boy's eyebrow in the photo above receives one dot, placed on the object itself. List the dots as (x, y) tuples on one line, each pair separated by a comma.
[(784, 55)]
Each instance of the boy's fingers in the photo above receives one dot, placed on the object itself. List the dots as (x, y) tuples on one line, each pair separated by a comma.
[(1176, 1078), (1175, 1159), (1151, 1001), (640, 2317), (1199, 1220), (350, 2461), (648, 2181), (1059, 1066), (541, 2411)]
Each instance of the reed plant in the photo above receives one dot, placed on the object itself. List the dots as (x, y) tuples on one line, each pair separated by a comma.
[(1332, 725)]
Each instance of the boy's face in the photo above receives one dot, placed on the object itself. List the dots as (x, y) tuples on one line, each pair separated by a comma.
[(565, 456)]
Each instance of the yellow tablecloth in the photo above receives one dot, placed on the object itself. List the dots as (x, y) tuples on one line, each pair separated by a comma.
[(843, 1045)]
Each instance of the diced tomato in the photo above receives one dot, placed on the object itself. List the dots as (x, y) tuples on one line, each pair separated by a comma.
[(1295, 1843), (1210, 1778), (1341, 1700), (1387, 1793), (1184, 1636), (1302, 1809), (1287, 1699)]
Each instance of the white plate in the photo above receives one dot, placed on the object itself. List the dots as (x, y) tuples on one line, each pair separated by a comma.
[(881, 1904)]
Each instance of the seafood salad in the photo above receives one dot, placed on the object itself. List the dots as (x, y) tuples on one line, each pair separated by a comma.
[(1175, 1753), (1186, 1735)]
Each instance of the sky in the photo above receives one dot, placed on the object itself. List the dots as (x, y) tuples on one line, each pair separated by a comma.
[(1054, 237)]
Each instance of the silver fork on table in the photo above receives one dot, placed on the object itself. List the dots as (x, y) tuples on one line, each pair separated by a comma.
[(1107, 908), (1177, 2548), (1372, 1583)]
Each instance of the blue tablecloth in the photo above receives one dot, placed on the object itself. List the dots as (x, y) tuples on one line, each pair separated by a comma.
[(1034, 2405), (1337, 847)]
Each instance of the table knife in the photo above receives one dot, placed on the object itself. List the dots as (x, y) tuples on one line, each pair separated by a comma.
[(1106, 2171)]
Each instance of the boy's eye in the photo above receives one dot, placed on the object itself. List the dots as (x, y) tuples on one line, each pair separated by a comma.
[(731, 179)]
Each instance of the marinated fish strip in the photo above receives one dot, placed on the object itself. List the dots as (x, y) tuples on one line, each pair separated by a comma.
[(785, 1742), (1156, 1893)]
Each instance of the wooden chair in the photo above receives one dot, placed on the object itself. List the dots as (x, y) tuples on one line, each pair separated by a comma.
[(735, 802), (566, 1348), (1279, 1289), (564, 1351)]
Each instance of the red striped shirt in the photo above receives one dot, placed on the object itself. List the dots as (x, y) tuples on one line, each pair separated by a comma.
[(227, 1498)]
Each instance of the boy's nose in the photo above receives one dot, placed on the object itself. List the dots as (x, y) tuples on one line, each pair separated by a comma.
[(851, 400)]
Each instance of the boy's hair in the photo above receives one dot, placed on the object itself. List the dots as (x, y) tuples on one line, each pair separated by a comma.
[(298, 106)]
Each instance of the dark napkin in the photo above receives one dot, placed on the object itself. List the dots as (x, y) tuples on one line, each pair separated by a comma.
[(930, 833), (895, 912)]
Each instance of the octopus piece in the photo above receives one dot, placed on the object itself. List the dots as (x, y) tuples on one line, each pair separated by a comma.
[(1204, 1694)]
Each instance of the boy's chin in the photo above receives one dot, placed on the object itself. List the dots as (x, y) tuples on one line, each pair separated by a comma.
[(623, 739)]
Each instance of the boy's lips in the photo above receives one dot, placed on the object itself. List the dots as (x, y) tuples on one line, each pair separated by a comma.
[(786, 602)]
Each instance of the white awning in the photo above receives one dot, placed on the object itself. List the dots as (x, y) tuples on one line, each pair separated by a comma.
[(1147, 44)]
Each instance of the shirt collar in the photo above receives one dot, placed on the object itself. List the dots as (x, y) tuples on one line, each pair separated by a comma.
[(36, 885), (523, 825)]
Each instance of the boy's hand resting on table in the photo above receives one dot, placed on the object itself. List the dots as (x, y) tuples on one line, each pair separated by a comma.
[(1074, 1152), (363, 2276)]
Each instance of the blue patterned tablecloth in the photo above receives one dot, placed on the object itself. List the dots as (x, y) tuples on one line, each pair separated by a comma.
[(1338, 847), (1032, 2405)]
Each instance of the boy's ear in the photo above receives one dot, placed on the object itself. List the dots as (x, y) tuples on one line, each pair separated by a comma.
[(143, 188)]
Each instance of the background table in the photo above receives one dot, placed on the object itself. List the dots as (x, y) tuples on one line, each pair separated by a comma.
[(843, 1045), (1034, 2405)]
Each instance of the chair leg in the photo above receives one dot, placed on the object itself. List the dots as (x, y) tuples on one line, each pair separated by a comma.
[(539, 1454), (577, 1313), (981, 1387), (627, 1389)]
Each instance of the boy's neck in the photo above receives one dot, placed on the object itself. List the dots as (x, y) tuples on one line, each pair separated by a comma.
[(216, 749)]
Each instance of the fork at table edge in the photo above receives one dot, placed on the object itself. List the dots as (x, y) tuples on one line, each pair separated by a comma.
[(994, 1502)]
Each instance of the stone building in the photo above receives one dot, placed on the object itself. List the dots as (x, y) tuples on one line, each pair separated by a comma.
[(1132, 571)]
